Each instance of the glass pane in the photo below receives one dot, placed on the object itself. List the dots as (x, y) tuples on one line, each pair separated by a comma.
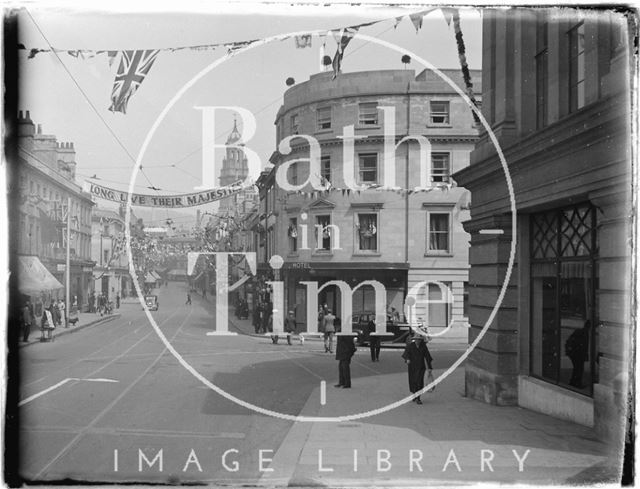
[(545, 355), (576, 306), (544, 235), (576, 231)]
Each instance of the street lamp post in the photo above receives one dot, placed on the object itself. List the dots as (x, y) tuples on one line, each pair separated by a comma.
[(68, 263)]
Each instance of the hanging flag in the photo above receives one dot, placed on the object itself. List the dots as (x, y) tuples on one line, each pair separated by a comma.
[(303, 41), (343, 38), (134, 66), (112, 56), (397, 21), (463, 61)]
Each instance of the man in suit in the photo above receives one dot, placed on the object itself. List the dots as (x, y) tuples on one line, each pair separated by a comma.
[(417, 357), (344, 351)]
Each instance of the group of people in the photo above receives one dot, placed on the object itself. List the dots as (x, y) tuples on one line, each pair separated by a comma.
[(53, 316), (101, 304)]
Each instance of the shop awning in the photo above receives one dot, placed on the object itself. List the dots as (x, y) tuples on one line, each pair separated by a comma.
[(33, 276), (155, 275), (149, 279)]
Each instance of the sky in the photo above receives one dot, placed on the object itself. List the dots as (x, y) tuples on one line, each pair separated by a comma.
[(70, 97)]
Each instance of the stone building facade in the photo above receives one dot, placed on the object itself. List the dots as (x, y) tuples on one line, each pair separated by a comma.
[(45, 175), (556, 95), (399, 239)]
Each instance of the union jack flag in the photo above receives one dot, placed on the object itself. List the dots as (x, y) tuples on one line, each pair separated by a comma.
[(342, 37), (134, 66)]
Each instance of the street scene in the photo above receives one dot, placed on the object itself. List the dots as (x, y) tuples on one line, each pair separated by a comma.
[(377, 246)]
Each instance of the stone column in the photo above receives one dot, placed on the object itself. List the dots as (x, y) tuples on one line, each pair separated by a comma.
[(491, 371)]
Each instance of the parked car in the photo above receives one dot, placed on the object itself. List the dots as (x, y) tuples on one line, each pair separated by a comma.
[(360, 325), (152, 302)]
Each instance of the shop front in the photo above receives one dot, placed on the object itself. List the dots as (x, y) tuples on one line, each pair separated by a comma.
[(393, 276)]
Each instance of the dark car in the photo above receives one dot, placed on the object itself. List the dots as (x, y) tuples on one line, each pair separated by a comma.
[(360, 325), (152, 302)]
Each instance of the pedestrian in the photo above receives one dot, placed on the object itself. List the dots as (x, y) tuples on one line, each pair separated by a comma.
[(47, 323), (188, 299), (329, 330), (344, 351), (417, 357), (62, 307), (256, 318), (290, 326), (118, 301), (267, 308), (27, 320), (92, 302), (55, 312), (204, 293), (274, 337), (321, 319), (374, 342), (577, 349)]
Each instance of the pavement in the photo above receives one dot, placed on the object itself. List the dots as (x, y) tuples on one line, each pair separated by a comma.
[(111, 392), (85, 319)]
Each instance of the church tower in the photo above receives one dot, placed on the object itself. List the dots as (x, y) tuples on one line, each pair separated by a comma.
[(235, 167)]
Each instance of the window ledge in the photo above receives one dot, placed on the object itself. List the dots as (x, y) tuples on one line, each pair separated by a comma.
[(364, 253), (433, 124), (324, 131), (367, 126), (438, 255)]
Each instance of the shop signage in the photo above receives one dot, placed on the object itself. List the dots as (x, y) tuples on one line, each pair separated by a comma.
[(298, 265)]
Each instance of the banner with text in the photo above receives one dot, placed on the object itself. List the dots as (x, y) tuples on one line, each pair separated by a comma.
[(172, 201)]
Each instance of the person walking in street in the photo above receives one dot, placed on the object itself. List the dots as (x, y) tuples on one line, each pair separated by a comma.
[(329, 330), (47, 323), (417, 357), (374, 342), (290, 326), (344, 351), (256, 318), (92, 302), (267, 309), (188, 299), (27, 320), (118, 301)]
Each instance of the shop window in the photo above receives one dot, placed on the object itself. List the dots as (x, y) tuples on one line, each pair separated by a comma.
[(367, 232), (368, 114), (564, 280), (439, 112), (368, 168), (576, 67), (323, 229), (438, 233), (440, 167), (323, 118)]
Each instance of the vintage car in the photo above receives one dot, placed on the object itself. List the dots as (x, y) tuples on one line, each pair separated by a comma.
[(360, 325), (152, 302)]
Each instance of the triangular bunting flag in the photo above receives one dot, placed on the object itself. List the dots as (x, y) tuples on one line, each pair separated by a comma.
[(397, 21), (416, 19), (134, 66), (112, 56), (448, 15)]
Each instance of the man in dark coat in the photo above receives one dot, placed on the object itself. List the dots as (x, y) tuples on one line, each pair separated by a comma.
[(577, 349), (344, 351), (374, 342), (417, 356), (27, 320)]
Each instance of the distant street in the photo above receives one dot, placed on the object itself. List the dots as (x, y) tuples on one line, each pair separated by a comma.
[(94, 400)]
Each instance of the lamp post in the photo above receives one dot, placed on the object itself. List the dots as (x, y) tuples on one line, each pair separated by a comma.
[(68, 263)]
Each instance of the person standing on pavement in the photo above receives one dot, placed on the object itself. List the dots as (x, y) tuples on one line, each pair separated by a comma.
[(290, 326), (417, 357), (118, 301), (329, 330), (374, 342), (62, 311), (188, 299), (27, 320), (344, 351)]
